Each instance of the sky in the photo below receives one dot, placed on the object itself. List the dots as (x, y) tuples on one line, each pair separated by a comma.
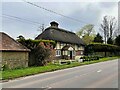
[(85, 12)]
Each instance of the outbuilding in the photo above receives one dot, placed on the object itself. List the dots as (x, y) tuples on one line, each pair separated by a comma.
[(12, 53)]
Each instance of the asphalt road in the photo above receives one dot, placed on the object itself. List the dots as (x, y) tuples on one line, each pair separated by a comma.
[(99, 75)]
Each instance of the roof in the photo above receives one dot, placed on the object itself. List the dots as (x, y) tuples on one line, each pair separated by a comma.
[(61, 35), (67, 47), (9, 44)]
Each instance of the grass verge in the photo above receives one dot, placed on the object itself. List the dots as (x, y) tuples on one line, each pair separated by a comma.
[(11, 74)]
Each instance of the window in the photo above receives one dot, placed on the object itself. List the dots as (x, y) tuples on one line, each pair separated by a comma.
[(73, 53), (81, 52), (62, 44), (58, 52)]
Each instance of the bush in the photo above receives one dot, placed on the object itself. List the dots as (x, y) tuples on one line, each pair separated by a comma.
[(41, 55), (69, 62), (90, 58), (4, 67), (42, 51)]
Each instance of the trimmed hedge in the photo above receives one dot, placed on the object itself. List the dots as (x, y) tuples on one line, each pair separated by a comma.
[(29, 43), (99, 47), (90, 58)]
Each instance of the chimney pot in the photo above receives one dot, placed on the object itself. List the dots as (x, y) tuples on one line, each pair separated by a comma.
[(54, 24)]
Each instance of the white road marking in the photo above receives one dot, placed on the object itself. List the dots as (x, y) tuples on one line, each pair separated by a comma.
[(47, 88), (99, 71)]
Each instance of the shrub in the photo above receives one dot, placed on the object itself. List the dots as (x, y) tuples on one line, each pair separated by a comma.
[(4, 67), (68, 62), (42, 51), (41, 55), (89, 58)]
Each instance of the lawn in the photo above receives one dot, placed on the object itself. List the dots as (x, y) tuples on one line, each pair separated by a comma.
[(11, 74)]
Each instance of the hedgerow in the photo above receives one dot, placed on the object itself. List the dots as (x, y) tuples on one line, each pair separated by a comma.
[(99, 47)]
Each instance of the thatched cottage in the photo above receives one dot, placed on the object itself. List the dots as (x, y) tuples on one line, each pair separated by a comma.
[(14, 54), (68, 44)]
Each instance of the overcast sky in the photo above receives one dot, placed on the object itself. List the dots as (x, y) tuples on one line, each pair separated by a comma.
[(85, 12)]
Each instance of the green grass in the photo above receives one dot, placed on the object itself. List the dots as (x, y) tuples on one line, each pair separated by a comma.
[(11, 74)]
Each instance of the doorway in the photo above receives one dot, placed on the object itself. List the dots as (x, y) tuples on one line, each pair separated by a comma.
[(71, 55)]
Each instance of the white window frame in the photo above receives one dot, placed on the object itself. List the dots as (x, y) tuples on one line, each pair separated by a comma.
[(81, 52), (74, 53), (58, 52)]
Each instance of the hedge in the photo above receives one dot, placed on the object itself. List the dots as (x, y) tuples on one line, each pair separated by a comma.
[(29, 43), (99, 47), (103, 47), (90, 58)]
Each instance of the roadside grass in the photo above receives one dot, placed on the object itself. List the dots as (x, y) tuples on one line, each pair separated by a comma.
[(11, 74)]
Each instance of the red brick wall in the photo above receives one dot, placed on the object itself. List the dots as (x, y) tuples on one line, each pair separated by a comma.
[(79, 52)]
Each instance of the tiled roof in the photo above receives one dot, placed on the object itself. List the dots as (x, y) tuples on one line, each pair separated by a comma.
[(9, 44)]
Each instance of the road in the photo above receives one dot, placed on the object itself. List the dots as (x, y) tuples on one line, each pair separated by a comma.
[(99, 75)]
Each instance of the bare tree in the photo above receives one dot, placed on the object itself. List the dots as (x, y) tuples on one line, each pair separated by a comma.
[(108, 27), (113, 25), (41, 28)]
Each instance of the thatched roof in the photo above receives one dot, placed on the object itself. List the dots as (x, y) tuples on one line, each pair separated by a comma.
[(9, 44), (60, 35)]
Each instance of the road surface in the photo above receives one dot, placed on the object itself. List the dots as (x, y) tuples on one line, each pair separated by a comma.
[(99, 75)]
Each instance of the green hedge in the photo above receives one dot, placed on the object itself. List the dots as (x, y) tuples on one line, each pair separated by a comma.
[(29, 43), (98, 47), (90, 58)]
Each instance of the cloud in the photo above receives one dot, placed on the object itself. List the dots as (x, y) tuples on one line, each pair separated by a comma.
[(89, 12)]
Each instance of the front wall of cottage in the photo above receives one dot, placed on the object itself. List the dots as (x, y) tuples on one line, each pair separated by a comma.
[(78, 50), (15, 59)]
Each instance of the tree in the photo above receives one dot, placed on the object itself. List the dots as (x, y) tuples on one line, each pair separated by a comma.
[(110, 41), (87, 33), (117, 40), (87, 29), (98, 38), (20, 37), (108, 27), (87, 39)]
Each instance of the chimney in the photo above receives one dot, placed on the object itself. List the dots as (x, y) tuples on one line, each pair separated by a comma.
[(54, 24)]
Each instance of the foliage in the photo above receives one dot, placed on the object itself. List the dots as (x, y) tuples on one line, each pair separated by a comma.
[(31, 44), (110, 41), (41, 50), (98, 38), (108, 27), (41, 55), (21, 37), (4, 67), (117, 40), (91, 57), (87, 33), (99, 47), (88, 39), (11, 74), (86, 30), (68, 62)]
